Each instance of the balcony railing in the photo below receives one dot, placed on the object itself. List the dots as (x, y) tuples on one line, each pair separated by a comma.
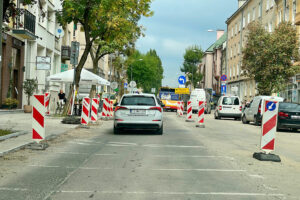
[(24, 25)]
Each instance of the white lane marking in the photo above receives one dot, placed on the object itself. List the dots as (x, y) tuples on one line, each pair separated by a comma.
[(105, 154), (176, 193), (44, 166), (82, 143), (203, 170), (119, 145), (256, 176), (192, 156), (171, 146), (124, 143), (12, 189), (72, 153)]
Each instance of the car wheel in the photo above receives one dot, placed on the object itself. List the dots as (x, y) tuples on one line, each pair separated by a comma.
[(244, 120), (256, 121), (160, 131), (116, 131)]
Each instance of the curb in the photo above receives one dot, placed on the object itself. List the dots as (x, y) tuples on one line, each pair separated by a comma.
[(11, 111), (16, 134)]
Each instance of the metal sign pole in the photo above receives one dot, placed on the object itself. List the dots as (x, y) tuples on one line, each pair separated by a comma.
[(1, 19)]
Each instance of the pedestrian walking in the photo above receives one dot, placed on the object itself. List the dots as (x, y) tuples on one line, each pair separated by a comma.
[(62, 97)]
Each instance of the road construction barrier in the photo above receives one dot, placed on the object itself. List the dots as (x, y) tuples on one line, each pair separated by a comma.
[(189, 116), (201, 115), (85, 114), (94, 110), (47, 101), (269, 125), (105, 108), (178, 107), (38, 118), (181, 108), (111, 108)]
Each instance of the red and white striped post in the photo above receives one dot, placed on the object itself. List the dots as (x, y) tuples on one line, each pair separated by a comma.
[(85, 114), (201, 115), (38, 118), (268, 130), (94, 110), (47, 101), (178, 107), (189, 116), (105, 108), (111, 108)]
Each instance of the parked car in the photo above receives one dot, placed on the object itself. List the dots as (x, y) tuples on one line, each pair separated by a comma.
[(140, 112), (228, 107), (288, 116), (200, 95), (252, 112)]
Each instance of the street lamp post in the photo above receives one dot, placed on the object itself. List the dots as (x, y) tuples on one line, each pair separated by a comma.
[(1, 19)]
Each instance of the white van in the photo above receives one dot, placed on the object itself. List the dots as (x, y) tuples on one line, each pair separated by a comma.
[(229, 107), (252, 112), (199, 95)]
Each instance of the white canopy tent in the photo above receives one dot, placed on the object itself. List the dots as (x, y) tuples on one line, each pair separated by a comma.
[(86, 77)]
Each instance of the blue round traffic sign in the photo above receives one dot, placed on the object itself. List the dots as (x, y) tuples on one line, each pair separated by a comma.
[(181, 80), (271, 106), (224, 77)]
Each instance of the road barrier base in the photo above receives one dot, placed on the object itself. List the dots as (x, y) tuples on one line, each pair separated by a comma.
[(200, 126), (266, 157), (84, 126), (38, 146), (190, 120)]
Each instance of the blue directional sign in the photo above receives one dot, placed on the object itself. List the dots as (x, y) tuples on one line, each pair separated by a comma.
[(271, 106), (125, 85), (223, 89), (181, 80)]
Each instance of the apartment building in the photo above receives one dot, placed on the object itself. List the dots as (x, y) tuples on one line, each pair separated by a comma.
[(248, 11)]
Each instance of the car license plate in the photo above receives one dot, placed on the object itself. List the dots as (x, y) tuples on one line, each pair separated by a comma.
[(138, 112), (295, 117)]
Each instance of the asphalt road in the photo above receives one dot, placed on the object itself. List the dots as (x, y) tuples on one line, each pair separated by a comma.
[(186, 163)]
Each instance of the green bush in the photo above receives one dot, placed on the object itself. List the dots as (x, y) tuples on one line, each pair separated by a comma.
[(11, 103)]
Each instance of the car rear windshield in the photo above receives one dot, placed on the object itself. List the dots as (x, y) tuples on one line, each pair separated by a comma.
[(138, 101), (289, 106), (231, 101)]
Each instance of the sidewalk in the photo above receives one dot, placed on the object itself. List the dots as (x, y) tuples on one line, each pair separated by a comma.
[(23, 122)]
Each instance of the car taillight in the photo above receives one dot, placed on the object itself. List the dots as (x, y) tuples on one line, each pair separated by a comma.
[(259, 108), (283, 115), (120, 108), (241, 108), (220, 107), (156, 108)]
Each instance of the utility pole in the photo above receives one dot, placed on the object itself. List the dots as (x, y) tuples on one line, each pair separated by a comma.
[(1, 58)]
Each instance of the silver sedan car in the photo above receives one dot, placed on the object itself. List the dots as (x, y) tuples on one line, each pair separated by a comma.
[(138, 112)]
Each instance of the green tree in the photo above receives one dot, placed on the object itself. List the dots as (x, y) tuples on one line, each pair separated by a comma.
[(146, 70), (268, 57), (192, 57)]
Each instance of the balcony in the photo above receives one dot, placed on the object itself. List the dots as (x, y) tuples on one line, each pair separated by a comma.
[(24, 25), (65, 52)]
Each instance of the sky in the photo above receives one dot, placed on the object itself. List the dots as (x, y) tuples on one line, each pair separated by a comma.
[(177, 24)]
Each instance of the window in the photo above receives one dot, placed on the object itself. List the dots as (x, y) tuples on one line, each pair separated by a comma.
[(138, 101), (240, 26), (231, 53), (231, 101), (230, 72), (271, 4), (279, 20), (249, 17), (233, 71), (235, 28), (232, 32), (237, 70), (270, 27), (244, 21), (253, 14), (287, 13), (267, 5), (259, 9)]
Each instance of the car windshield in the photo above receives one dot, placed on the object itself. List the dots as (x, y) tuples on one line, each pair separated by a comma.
[(112, 96), (138, 101), (289, 106), (231, 101)]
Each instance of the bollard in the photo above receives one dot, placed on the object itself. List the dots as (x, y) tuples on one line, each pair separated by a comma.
[(105, 108), (201, 115), (85, 114), (47, 101), (94, 110), (268, 130), (189, 116)]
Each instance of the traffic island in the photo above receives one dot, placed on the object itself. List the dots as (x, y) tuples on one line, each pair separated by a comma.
[(266, 157)]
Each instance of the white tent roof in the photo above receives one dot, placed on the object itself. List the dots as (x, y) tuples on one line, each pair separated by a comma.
[(86, 77)]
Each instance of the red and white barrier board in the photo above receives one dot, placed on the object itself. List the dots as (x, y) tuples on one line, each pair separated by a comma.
[(201, 114), (111, 108), (38, 118), (178, 107), (105, 108), (47, 101), (85, 114), (181, 108), (189, 115), (94, 111), (269, 125)]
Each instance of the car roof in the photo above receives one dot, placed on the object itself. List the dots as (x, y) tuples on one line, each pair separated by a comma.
[(143, 94)]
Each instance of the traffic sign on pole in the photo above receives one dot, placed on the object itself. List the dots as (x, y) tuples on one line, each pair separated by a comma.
[(181, 80)]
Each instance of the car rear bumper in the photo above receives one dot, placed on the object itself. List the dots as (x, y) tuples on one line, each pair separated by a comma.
[(287, 125), (138, 125), (230, 115)]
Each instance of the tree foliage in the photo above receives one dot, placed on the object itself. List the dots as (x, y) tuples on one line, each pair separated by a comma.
[(268, 57), (192, 57), (146, 69)]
